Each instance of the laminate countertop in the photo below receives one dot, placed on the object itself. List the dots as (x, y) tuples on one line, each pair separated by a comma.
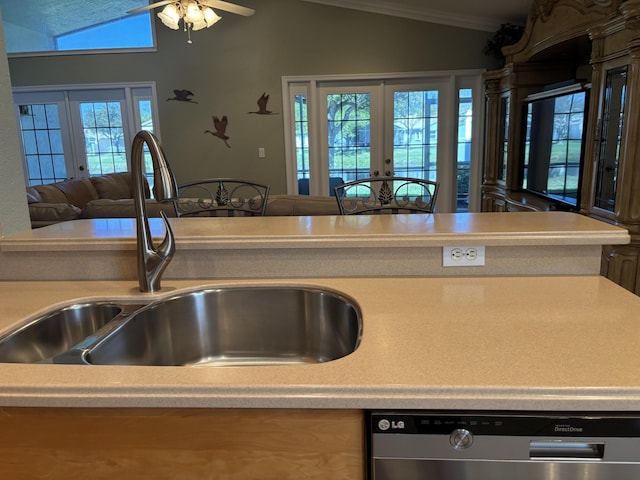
[(330, 231), (531, 243), (514, 343)]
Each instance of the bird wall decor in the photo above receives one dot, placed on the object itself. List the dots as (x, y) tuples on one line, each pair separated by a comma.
[(220, 125), (262, 106), (183, 96)]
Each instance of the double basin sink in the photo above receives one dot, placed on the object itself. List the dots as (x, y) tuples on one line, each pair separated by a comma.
[(221, 326)]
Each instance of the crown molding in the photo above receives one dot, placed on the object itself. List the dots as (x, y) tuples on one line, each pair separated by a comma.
[(423, 14)]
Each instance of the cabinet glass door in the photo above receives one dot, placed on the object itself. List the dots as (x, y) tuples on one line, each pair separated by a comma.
[(505, 107), (610, 138)]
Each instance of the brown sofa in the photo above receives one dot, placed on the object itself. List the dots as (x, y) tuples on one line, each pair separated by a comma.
[(110, 196), (105, 196), (301, 205)]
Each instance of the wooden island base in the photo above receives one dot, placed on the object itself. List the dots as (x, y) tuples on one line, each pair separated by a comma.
[(181, 444)]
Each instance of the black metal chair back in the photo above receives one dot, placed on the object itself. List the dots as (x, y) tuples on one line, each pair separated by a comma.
[(376, 195), (222, 197)]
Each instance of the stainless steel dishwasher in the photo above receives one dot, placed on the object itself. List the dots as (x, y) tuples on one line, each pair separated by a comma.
[(410, 445)]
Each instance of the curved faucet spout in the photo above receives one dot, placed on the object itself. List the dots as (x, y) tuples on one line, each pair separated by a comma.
[(152, 261)]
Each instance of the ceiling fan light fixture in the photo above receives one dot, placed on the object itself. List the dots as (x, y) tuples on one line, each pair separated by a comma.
[(211, 17), (193, 13), (199, 25), (170, 16)]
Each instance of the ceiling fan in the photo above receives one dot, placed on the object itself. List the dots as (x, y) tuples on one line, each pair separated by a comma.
[(195, 14)]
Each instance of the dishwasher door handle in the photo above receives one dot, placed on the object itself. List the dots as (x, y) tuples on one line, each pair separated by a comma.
[(563, 449)]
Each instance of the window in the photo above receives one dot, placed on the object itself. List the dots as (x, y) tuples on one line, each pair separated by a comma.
[(82, 131), (43, 27), (339, 129)]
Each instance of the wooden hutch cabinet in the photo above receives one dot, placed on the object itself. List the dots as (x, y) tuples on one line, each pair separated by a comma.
[(589, 162)]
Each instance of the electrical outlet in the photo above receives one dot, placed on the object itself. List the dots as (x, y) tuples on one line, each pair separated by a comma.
[(462, 256)]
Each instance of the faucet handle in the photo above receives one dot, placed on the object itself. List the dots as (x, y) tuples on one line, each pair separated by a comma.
[(167, 247), (161, 256)]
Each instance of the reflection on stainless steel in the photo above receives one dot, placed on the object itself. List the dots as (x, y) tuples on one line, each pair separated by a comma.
[(236, 326), (56, 332), (241, 325), (152, 261)]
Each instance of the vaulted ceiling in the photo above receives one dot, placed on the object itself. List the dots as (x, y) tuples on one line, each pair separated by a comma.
[(72, 15), (485, 15)]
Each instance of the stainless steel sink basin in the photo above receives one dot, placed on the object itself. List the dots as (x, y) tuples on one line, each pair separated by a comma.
[(55, 332), (235, 326)]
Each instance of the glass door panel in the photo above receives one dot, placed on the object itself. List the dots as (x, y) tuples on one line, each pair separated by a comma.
[(505, 107), (463, 154), (42, 143), (610, 138), (46, 143), (301, 122), (349, 135), (103, 132), (415, 134)]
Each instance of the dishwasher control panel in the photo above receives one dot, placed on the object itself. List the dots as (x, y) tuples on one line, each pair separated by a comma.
[(461, 427)]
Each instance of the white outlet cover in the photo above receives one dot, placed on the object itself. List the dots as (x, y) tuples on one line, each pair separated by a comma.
[(463, 256)]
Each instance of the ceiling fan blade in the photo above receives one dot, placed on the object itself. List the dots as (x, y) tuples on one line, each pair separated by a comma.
[(149, 7), (228, 7)]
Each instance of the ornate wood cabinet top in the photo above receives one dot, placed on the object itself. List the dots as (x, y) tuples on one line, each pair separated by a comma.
[(553, 22)]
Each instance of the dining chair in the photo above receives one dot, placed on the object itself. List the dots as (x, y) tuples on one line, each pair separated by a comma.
[(376, 195), (221, 197)]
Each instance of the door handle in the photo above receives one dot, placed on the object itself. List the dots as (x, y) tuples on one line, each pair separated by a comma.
[(560, 449)]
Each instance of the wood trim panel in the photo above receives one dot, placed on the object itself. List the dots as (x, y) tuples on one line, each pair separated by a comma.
[(181, 444)]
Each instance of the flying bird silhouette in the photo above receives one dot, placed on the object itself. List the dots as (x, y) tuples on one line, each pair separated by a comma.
[(262, 106), (221, 126), (182, 96)]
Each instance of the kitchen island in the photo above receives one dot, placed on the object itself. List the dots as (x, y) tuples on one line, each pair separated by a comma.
[(566, 341)]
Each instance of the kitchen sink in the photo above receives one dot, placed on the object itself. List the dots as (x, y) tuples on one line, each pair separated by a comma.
[(55, 332), (222, 326), (235, 326)]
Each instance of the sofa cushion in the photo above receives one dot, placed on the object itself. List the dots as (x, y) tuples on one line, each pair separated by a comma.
[(50, 193), (301, 205), (33, 195), (78, 191), (53, 212), (116, 186), (124, 208)]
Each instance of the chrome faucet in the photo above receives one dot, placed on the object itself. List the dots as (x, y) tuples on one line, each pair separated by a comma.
[(152, 261)]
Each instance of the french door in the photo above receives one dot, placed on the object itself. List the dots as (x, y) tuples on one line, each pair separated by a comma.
[(80, 132), (342, 130)]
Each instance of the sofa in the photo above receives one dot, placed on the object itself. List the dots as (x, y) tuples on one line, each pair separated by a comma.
[(278, 205), (104, 196), (110, 196)]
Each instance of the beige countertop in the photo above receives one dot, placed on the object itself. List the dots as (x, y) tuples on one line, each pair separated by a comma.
[(367, 231), (515, 343), (530, 243)]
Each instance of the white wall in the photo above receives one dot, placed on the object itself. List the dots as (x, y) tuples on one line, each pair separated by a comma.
[(14, 213)]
